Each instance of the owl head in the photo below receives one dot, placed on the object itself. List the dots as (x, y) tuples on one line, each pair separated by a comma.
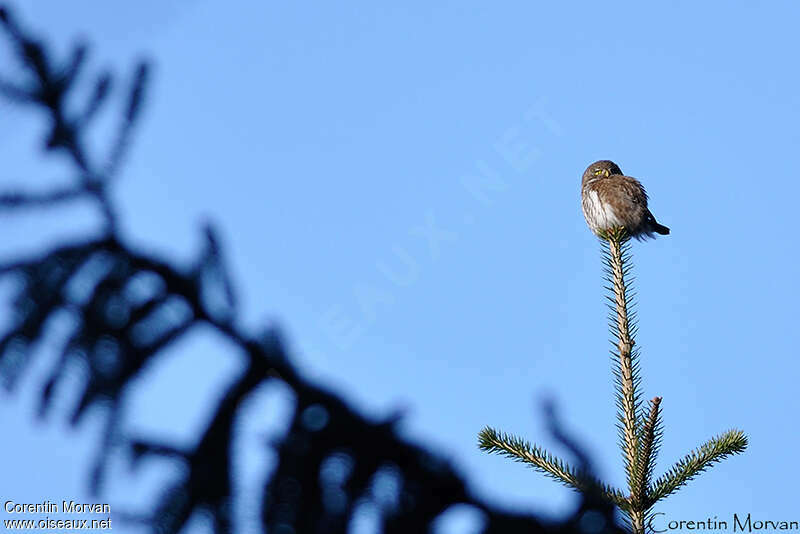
[(600, 169)]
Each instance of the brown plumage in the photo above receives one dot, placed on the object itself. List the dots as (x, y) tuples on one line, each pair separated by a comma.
[(611, 199)]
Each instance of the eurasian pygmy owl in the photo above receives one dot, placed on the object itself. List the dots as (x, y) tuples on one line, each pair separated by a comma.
[(611, 199)]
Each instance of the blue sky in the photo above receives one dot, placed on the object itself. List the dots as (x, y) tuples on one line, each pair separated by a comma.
[(337, 148)]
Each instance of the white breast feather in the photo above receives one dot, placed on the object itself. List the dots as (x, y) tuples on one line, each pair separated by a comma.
[(599, 214)]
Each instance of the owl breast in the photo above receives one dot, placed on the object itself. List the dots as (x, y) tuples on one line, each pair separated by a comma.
[(598, 214)]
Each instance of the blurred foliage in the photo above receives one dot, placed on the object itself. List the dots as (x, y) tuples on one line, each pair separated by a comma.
[(127, 306)]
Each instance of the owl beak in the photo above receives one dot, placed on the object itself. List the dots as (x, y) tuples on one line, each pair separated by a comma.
[(606, 173)]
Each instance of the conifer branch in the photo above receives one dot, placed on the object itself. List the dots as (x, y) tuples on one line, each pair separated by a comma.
[(520, 450), (697, 461), (650, 443), (640, 431), (626, 372)]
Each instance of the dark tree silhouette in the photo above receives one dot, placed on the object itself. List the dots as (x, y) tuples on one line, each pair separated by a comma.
[(127, 306)]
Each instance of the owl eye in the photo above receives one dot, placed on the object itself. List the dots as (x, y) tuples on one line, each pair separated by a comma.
[(597, 171)]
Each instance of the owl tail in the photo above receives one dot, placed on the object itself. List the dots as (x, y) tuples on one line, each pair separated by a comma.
[(660, 228), (655, 227)]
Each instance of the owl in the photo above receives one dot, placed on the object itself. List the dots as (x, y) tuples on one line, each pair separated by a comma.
[(610, 199)]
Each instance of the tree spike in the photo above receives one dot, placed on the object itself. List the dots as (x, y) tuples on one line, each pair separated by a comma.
[(639, 429)]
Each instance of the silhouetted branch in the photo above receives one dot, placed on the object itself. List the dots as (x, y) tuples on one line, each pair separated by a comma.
[(126, 306), (36, 200)]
